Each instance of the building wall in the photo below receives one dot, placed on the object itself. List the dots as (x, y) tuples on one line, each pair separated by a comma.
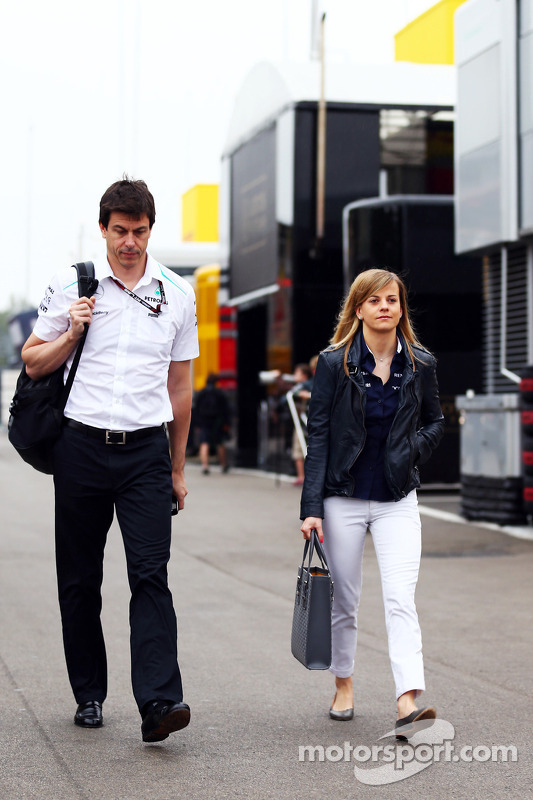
[(352, 172), (506, 316), (494, 164), (525, 49), (253, 257), (486, 127)]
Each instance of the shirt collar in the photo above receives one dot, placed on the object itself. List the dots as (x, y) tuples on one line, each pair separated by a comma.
[(102, 269), (366, 352), (153, 270)]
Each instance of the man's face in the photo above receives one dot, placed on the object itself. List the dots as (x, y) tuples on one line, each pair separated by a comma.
[(126, 240)]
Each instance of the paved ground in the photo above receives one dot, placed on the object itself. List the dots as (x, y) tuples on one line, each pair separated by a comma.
[(235, 553)]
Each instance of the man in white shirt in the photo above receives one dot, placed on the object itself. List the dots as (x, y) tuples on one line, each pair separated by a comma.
[(114, 454)]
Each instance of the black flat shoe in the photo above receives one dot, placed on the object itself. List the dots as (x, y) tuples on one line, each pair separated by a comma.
[(161, 718), (89, 715), (341, 716), (405, 726)]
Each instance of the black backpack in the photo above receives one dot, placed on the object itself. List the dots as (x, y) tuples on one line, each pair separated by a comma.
[(36, 411)]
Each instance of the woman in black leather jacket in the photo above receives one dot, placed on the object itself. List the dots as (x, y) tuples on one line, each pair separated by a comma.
[(374, 416)]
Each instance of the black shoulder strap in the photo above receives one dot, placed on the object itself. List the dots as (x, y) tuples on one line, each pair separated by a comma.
[(87, 285)]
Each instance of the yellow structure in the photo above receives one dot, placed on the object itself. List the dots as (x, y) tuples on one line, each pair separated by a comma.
[(199, 214), (428, 39), (206, 285)]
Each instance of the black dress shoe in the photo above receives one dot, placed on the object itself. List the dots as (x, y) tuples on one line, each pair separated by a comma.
[(161, 718), (89, 714)]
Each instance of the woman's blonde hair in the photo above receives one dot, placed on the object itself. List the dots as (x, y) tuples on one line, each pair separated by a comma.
[(364, 286)]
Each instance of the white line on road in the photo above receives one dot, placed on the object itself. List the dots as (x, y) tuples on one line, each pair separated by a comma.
[(447, 516)]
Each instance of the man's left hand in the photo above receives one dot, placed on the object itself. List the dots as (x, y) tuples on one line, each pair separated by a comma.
[(179, 488)]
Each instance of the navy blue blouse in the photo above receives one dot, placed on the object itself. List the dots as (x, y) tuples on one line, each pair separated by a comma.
[(381, 406)]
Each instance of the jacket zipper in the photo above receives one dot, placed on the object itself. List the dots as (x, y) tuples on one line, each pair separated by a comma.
[(411, 460), (364, 438), (401, 404), (410, 387)]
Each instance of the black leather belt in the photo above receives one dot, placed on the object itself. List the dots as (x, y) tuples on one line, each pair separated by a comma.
[(113, 437)]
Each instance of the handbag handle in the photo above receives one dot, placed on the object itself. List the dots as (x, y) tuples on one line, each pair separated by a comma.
[(311, 544)]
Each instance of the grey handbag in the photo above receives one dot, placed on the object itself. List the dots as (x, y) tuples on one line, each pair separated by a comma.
[(311, 622)]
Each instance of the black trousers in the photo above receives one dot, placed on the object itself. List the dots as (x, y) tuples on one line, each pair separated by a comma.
[(91, 480)]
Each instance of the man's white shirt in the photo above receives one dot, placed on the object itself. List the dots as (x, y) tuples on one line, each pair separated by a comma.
[(121, 380)]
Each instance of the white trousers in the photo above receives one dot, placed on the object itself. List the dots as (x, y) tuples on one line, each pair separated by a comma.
[(396, 533)]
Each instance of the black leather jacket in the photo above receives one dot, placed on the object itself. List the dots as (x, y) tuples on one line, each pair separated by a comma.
[(336, 426)]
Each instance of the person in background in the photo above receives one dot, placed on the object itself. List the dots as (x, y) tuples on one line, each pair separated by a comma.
[(312, 366), (113, 453), (213, 418), (302, 376), (374, 417)]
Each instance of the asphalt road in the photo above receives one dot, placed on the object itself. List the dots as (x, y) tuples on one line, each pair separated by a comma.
[(235, 553)]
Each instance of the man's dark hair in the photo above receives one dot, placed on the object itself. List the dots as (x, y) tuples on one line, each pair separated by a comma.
[(127, 197)]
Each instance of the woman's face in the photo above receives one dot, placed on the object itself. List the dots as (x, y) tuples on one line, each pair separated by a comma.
[(381, 312)]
